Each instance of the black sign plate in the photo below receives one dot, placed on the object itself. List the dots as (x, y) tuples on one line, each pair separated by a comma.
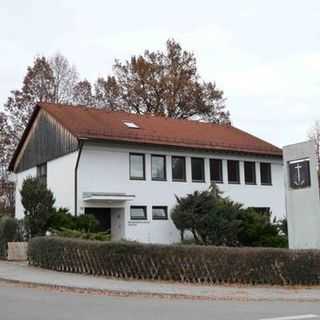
[(299, 174)]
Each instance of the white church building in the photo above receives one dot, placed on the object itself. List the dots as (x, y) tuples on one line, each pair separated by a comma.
[(127, 169)]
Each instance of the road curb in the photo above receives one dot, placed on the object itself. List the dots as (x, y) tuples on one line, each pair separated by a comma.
[(145, 294), (119, 293)]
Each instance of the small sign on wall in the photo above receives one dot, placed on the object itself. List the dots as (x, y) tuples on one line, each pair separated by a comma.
[(299, 174)]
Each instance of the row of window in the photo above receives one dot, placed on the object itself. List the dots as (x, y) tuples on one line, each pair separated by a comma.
[(161, 212), (140, 213), (159, 169)]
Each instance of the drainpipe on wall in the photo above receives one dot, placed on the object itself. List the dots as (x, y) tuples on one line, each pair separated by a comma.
[(81, 142)]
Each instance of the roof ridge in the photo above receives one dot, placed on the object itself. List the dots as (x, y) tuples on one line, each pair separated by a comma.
[(145, 115)]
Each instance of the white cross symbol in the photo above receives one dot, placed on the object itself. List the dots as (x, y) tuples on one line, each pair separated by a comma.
[(298, 167)]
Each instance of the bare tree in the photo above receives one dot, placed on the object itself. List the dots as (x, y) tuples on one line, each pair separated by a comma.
[(6, 149), (50, 80), (108, 94), (38, 86), (82, 93), (314, 134), (4, 143), (47, 80), (65, 77)]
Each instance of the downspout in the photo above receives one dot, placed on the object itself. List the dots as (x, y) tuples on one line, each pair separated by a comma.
[(76, 178)]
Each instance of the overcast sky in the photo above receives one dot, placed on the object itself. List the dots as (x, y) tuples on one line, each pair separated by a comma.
[(264, 54)]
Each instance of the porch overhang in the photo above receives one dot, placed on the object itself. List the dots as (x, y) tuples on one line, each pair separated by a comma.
[(107, 197)]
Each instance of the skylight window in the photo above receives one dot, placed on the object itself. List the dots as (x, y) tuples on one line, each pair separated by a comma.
[(131, 125)]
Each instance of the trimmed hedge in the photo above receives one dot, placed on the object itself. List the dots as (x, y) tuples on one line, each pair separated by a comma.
[(191, 264)]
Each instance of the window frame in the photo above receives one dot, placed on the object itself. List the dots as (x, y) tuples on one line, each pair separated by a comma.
[(144, 166), (144, 210), (270, 174), (220, 171), (203, 170), (160, 207), (165, 167), (238, 172), (185, 169), (254, 172)]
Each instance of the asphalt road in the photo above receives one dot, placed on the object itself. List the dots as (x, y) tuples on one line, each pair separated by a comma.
[(18, 302)]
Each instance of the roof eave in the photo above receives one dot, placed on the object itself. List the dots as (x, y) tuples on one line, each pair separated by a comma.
[(186, 146), (33, 116), (26, 131)]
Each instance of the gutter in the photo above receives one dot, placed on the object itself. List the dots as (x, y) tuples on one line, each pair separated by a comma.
[(81, 143)]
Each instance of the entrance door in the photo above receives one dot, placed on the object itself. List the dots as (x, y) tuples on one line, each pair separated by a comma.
[(103, 215)]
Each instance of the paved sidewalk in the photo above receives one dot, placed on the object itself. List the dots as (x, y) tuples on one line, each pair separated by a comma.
[(22, 273)]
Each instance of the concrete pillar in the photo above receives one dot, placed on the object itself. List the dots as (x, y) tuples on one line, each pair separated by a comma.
[(302, 195)]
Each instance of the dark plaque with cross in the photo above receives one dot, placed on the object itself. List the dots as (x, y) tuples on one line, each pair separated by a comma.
[(299, 174)]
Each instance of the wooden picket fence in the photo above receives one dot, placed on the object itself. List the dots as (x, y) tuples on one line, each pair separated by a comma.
[(190, 264)]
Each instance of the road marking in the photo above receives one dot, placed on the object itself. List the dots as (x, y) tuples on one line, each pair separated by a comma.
[(305, 316)]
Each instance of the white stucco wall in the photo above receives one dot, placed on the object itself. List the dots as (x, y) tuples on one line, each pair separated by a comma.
[(20, 177), (60, 180), (105, 168)]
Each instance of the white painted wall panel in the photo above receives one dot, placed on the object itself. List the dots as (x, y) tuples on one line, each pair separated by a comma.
[(106, 169), (60, 180)]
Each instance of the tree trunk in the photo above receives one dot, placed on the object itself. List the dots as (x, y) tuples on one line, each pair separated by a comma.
[(195, 235), (182, 235)]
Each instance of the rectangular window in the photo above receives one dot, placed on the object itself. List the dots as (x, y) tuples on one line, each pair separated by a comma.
[(197, 169), (233, 171), (137, 166), (42, 173), (216, 174), (159, 213), (250, 172), (178, 169), (158, 168), (265, 173), (138, 213)]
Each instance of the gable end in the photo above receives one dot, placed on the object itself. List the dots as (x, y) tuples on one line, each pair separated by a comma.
[(46, 140)]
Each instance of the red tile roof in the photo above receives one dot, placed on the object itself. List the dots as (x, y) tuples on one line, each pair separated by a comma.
[(109, 125), (90, 123)]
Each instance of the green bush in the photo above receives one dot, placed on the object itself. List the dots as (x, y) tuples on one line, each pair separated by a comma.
[(257, 230), (38, 203), (215, 220), (192, 264), (192, 213), (86, 223), (9, 231), (61, 218), (224, 223), (69, 233)]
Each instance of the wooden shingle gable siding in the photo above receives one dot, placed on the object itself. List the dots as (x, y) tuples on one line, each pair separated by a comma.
[(47, 140)]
